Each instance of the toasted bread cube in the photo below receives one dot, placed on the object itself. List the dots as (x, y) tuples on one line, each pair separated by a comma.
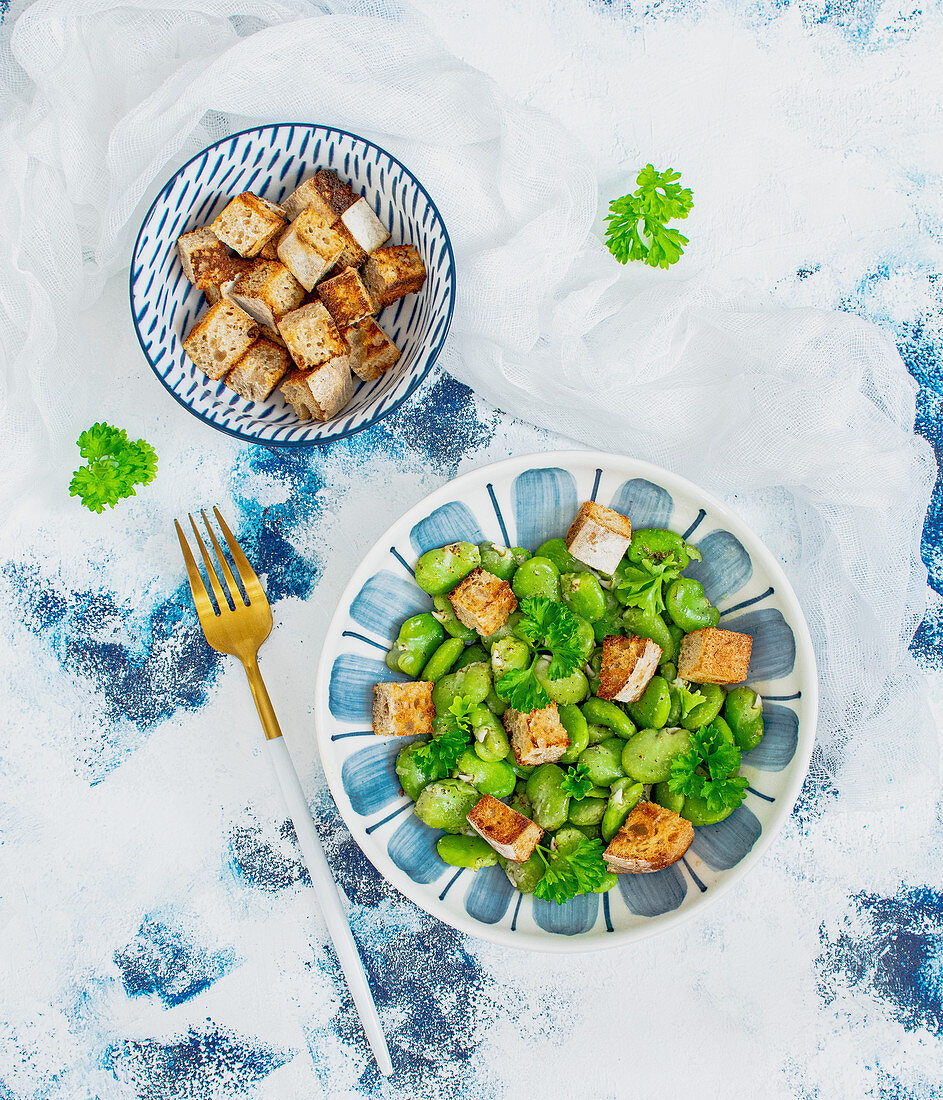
[(483, 601), (651, 839), (713, 656), (627, 666), (213, 294), (206, 261), (267, 290), (311, 335), (270, 251), (309, 249), (393, 272), (599, 537), (538, 737), (402, 710), (372, 352), (220, 338), (259, 371), (321, 393), (353, 255), (346, 298), (364, 226), (511, 834), (248, 223)]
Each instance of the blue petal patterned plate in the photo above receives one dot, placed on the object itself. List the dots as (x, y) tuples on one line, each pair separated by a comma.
[(522, 502), (272, 161)]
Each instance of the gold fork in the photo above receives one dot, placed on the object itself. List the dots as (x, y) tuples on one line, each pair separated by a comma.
[(240, 629)]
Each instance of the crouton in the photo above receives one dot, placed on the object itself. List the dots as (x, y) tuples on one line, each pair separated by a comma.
[(483, 601), (537, 737), (651, 839), (627, 666), (311, 336), (599, 537), (213, 294), (364, 226), (248, 223), (393, 272), (372, 352), (206, 261), (712, 656), (267, 290), (220, 338), (346, 298), (321, 393), (270, 251), (352, 255), (511, 834), (309, 249), (259, 371), (402, 710)]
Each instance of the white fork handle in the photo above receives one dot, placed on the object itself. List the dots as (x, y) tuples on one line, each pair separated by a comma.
[(329, 899)]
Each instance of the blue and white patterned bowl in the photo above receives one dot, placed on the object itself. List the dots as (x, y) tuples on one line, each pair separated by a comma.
[(272, 161), (522, 502)]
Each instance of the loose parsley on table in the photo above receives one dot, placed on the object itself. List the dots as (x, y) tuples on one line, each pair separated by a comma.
[(637, 224), (580, 871), (709, 771), (551, 629), (115, 465)]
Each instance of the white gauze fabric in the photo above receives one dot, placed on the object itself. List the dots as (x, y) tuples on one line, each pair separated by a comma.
[(802, 419)]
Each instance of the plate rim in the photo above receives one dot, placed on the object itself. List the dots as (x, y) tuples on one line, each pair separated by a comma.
[(547, 941), (418, 376)]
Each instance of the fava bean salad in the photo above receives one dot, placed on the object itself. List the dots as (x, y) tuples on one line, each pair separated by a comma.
[(574, 707)]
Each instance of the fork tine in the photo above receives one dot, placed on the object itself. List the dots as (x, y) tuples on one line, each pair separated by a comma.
[(210, 571), (247, 574), (224, 562), (198, 589)]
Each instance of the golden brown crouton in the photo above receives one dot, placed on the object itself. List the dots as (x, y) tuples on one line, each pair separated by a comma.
[(308, 248), (599, 537), (483, 601), (712, 656), (206, 261), (346, 298), (364, 226), (248, 223), (402, 710), (651, 839), (259, 371), (372, 352), (538, 737), (393, 272), (321, 393), (627, 666), (267, 290), (311, 335), (511, 834), (220, 338)]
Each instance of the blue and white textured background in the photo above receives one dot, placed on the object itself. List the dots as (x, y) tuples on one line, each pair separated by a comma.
[(159, 938)]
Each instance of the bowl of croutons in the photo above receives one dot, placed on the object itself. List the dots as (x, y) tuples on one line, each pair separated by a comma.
[(292, 284)]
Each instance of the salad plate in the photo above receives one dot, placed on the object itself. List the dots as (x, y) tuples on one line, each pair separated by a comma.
[(522, 502)]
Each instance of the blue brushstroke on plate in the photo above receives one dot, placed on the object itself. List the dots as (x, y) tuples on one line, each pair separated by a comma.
[(350, 696), (369, 776), (385, 600), (780, 738), (723, 845), (646, 504), (654, 894), (774, 645), (725, 566), (569, 919), (489, 895), (449, 522), (412, 847), (544, 505)]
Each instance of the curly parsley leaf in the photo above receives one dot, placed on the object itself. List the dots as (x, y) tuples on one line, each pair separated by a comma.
[(521, 689), (551, 627), (115, 465), (578, 871), (637, 227), (576, 783), (709, 771), (461, 710), (438, 756), (690, 700)]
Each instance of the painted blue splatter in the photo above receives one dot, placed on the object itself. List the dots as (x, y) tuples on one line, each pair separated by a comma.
[(266, 858), (891, 947), (162, 961), (201, 1065)]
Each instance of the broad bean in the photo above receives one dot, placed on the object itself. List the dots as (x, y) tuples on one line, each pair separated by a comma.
[(652, 709), (556, 551), (524, 876), (674, 714), (590, 831), (439, 571), (567, 839), (656, 543), (624, 794), (519, 800), (508, 654), (442, 659), (583, 595), (550, 803), (491, 740), (603, 762), (597, 734), (445, 614), (706, 711), (648, 755), (610, 623), (522, 771), (743, 711), (664, 796), (474, 654), (697, 811), (506, 631), (607, 882), (472, 681), (688, 606), (585, 638), (445, 804), (586, 811), (572, 720), (537, 577), (493, 777), (466, 851), (495, 703), (602, 712), (412, 777), (567, 689), (501, 561), (638, 621), (418, 639)]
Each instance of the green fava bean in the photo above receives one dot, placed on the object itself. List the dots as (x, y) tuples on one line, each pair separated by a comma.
[(707, 711), (657, 543), (606, 883), (689, 607), (524, 876), (474, 654), (583, 595), (495, 703), (674, 715), (501, 561), (648, 755), (442, 660), (550, 803), (726, 733), (508, 654), (639, 622), (555, 550), (439, 571), (590, 831), (611, 623), (466, 851), (567, 839), (418, 639), (537, 577), (519, 800), (492, 777), (445, 614), (652, 709), (604, 713), (491, 740), (522, 771), (743, 712), (603, 762), (587, 811), (662, 795), (572, 720), (445, 804), (597, 734), (568, 689), (506, 631), (412, 778), (472, 681), (698, 812), (623, 797), (668, 670)]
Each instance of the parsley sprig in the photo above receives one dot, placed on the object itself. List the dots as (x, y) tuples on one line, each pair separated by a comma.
[(690, 700), (637, 227), (114, 466), (709, 771), (578, 871), (576, 783), (438, 756), (551, 629)]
